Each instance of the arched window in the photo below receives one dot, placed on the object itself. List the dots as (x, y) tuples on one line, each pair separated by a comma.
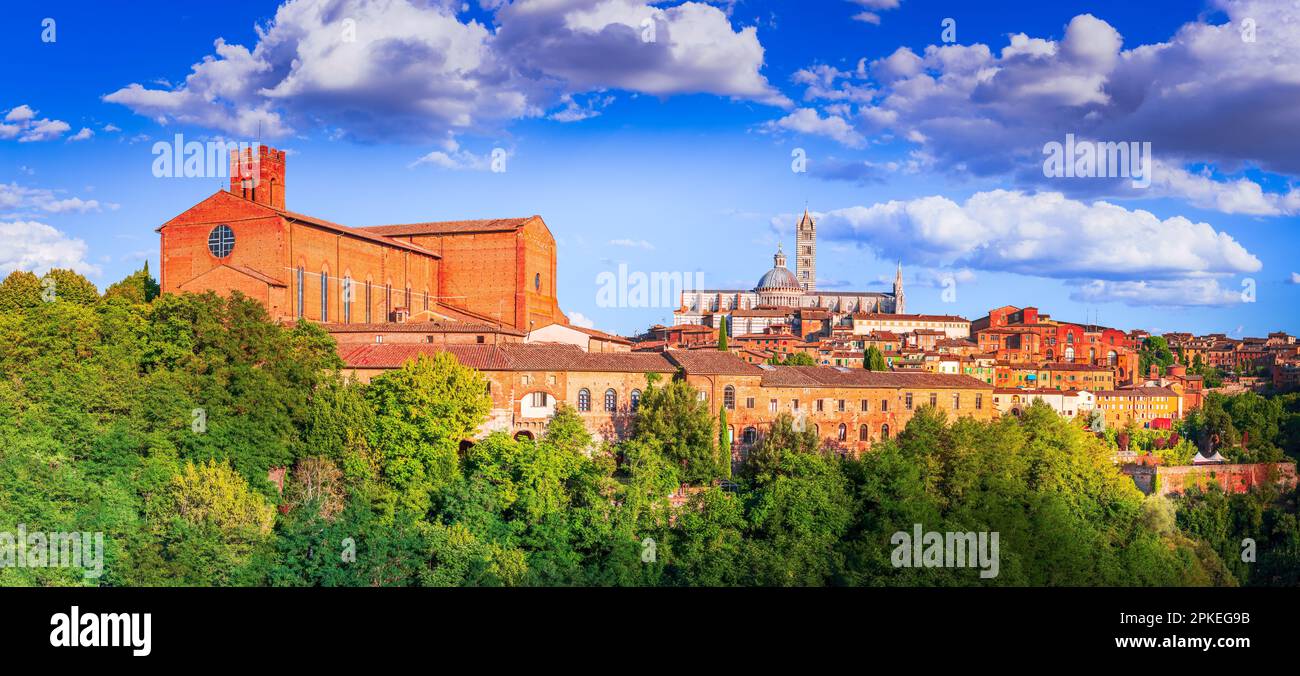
[(729, 398), (1069, 354), (1069, 338), (864, 433), (636, 399), (843, 434), (368, 315), (1092, 355), (749, 436), (347, 299), (1051, 354), (884, 431), (1112, 358), (956, 401), (301, 274), (584, 399), (611, 400), (324, 295)]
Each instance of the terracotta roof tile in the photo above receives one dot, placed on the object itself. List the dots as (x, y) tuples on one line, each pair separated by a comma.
[(448, 227), (508, 357)]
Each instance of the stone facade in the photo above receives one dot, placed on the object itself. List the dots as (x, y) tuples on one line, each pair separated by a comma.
[(851, 409)]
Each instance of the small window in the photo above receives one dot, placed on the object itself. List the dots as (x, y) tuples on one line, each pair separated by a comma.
[(584, 399), (884, 431), (537, 282), (749, 436), (934, 399), (729, 397), (884, 404), (611, 401), (907, 401), (864, 405), (539, 399), (636, 399), (843, 433), (864, 433), (478, 339), (749, 402)]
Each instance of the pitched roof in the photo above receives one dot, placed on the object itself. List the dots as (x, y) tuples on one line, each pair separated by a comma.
[(450, 227), (821, 376), (508, 357), (913, 318), (421, 327), (711, 362)]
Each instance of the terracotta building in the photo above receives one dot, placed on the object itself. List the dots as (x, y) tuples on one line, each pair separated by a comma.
[(850, 409), (301, 266)]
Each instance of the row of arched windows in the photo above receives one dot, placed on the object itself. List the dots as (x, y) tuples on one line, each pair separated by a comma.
[(611, 400), (349, 295), (749, 435)]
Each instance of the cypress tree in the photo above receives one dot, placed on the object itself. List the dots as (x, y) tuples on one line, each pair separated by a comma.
[(724, 444)]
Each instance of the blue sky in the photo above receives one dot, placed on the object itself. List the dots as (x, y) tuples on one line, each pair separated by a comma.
[(675, 153)]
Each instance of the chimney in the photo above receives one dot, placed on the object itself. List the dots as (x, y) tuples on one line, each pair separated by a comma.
[(257, 174)]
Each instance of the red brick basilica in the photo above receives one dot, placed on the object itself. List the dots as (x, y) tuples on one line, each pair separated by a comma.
[(495, 271)]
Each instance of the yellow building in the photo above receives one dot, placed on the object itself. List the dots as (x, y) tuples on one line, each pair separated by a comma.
[(1142, 405)]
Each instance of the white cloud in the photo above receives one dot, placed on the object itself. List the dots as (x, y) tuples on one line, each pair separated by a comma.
[(1115, 252), (37, 247), (875, 7), (632, 243), (1166, 293), (807, 121), (578, 319), (1295, 278), (417, 71), (15, 197), (21, 113), (1043, 234), (452, 156), (82, 135), (1203, 96), (21, 122)]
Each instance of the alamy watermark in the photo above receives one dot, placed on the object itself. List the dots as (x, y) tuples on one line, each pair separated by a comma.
[(639, 289), (932, 549), (1098, 159), (179, 158), (53, 550)]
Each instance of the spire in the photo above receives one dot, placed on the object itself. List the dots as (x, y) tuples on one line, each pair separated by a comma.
[(779, 258), (900, 302)]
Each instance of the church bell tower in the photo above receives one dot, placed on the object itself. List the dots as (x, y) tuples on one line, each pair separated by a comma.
[(805, 252)]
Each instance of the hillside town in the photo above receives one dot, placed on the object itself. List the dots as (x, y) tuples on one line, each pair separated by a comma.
[(852, 367)]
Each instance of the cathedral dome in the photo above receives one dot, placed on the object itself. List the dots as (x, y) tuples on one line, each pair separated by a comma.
[(779, 286), (777, 278)]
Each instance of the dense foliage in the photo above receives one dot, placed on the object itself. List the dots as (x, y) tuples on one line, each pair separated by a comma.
[(164, 423)]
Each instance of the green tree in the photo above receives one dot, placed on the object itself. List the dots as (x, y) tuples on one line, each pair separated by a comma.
[(423, 411), (138, 287), (724, 444), (69, 286), (675, 418), (19, 291), (722, 334), (873, 360)]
